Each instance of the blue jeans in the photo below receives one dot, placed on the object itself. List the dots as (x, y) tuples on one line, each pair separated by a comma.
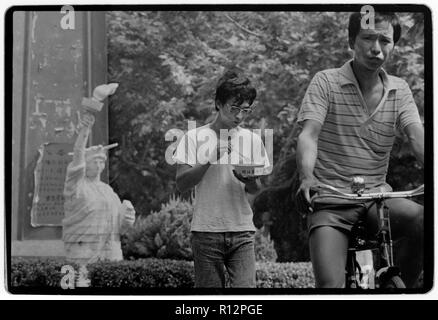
[(213, 252)]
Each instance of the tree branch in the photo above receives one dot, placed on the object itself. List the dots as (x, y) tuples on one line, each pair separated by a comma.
[(241, 27), (156, 172), (114, 178)]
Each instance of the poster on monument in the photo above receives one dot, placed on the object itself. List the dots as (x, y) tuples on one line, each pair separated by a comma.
[(48, 200)]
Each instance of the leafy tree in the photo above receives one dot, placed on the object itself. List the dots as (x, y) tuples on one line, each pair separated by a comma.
[(168, 62)]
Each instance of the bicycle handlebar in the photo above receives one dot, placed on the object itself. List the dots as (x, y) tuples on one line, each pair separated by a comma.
[(336, 193)]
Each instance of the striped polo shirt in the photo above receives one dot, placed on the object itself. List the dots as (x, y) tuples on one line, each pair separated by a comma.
[(352, 141)]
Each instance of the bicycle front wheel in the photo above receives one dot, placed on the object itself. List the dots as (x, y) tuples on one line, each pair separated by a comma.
[(394, 282)]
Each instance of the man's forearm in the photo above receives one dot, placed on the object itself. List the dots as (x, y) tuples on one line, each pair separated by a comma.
[(415, 134), (190, 177), (306, 156), (419, 152)]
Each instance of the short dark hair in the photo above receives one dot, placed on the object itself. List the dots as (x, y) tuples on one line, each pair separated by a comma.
[(354, 25), (234, 85)]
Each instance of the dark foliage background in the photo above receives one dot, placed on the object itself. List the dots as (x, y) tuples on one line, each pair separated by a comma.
[(167, 64)]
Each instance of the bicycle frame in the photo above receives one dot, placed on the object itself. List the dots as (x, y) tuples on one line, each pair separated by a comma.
[(384, 239), (385, 248)]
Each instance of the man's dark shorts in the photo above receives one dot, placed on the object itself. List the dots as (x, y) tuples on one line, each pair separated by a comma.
[(340, 216)]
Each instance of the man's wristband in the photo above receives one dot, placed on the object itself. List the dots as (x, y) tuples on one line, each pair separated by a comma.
[(256, 188)]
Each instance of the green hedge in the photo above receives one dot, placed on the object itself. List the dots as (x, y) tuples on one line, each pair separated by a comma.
[(37, 272), (142, 273), (284, 275), (151, 273)]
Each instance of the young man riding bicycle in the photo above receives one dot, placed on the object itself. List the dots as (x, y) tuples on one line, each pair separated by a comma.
[(349, 116)]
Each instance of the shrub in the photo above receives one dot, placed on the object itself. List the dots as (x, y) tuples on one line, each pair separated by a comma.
[(277, 207), (284, 275), (264, 247), (37, 272), (142, 273), (151, 273), (164, 234)]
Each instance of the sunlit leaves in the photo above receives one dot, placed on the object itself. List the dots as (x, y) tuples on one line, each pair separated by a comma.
[(168, 63)]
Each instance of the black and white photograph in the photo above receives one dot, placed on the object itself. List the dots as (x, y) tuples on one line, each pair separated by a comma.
[(219, 150)]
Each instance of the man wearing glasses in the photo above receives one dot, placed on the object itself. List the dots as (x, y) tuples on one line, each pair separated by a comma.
[(222, 225)]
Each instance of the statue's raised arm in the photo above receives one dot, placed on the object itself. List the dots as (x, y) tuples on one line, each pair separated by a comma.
[(86, 123)]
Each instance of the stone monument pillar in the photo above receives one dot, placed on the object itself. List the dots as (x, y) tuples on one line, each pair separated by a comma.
[(57, 58)]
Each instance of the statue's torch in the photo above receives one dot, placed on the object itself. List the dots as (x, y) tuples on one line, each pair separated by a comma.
[(100, 93)]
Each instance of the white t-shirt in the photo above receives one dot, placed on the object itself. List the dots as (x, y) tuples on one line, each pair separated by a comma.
[(221, 204)]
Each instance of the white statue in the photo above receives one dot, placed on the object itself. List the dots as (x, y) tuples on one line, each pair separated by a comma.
[(94, 215)]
